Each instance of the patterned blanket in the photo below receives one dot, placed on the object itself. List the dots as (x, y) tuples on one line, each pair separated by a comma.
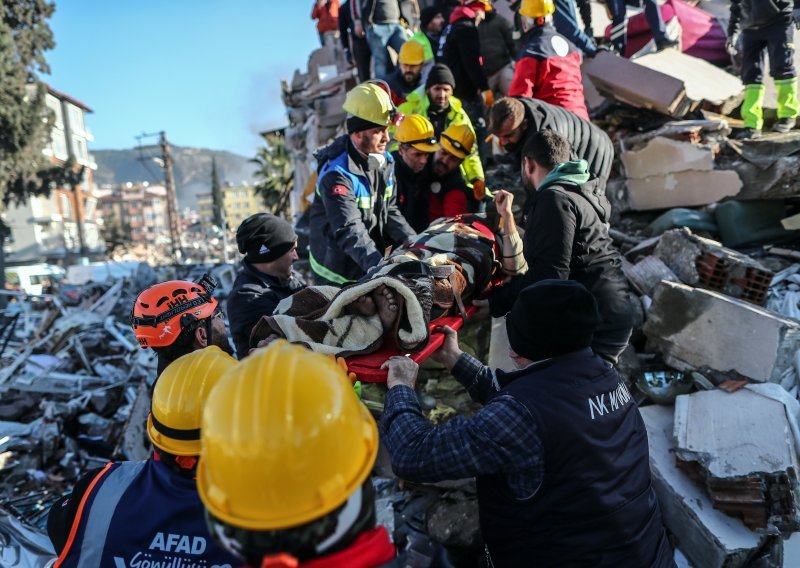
[(443, 268)]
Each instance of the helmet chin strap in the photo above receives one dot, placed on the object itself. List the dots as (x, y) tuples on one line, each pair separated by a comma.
[(209, 331)]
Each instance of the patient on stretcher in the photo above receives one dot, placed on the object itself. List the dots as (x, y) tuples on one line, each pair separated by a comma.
[(437, 274)]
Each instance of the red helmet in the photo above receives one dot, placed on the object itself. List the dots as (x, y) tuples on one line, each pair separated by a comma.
[(161, 312)]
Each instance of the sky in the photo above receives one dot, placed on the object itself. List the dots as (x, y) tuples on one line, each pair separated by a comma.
[(207, 72)]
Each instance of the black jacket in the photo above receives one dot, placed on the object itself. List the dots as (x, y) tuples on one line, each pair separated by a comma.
[(497, 43), (460, 50), (588, 142), (255, 294), (354, 216), (756, 14), (566, 238)]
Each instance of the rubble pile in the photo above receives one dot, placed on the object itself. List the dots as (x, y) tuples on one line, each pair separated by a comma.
[(73, 392)]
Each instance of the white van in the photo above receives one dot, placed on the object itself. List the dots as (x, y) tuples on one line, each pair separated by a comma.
[(31, 279)]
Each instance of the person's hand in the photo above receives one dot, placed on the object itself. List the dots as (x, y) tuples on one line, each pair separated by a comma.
[(503, 200), (730, 45), (449, 352), (265, 342), (488, 97), (358, 29), (479, 189), (402, 371), (483, 311)]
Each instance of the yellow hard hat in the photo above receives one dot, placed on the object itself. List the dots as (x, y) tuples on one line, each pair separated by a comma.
[(458, 139), (178, 399), (411, 53), (371, 102), (537, 8), (285, 440), (417, 131)]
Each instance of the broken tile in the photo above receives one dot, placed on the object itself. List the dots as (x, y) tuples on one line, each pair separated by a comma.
[(698, 261), (695, 329), (662, 156)]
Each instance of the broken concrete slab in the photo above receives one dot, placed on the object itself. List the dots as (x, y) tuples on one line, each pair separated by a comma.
[(708, 537), (625, 81), (768, 166), (662, 156), (695, 329), (647, 273), (706, 263), (703, 81), (669, 82), (742, 447), (682, 189)]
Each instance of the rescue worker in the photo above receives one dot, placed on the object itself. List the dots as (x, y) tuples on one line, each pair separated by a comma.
[(356, 48), (460, 50), (431, 24), (379, 22), (449, 195), (565, 20), (652, 12), (177, 317), (285, 479), (548, 65), (513, 120), (437, 103), (354, 216), (417, 142), (561, 480), (766, 25), (270, 247), (498, 52), (566, 237), (407, 76), (148, 512)]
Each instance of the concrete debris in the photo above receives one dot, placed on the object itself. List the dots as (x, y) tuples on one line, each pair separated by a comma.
[(707, 536), (767, 166), (742, 447), (647, 273), (705, 263), (695, 329), (668, 82)]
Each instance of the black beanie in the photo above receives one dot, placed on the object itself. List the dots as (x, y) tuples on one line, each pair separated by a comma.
[(440, 74), (551, 318), (263, 237), (427, 14)]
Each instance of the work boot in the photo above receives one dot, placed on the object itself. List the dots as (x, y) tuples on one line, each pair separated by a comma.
[(667, 44), (747, 134), (784, 125)]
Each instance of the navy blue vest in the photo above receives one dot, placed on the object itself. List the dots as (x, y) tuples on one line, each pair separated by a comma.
[(142, 514), (595, 506)]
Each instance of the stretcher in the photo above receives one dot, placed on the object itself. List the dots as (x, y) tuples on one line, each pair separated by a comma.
[(367, 368)]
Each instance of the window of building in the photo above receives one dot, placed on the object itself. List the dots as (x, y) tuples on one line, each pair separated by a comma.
[(75, 116), (66, 205), (79, 146), (59, 144), (55, 105), (89, 207)]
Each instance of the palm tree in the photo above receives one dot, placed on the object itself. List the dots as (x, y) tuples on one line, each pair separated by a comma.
[(274, 175)]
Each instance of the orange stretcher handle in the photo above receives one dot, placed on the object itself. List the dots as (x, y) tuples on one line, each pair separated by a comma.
[(368, 367)]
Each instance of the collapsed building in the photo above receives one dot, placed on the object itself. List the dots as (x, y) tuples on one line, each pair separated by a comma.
[(708, 229)]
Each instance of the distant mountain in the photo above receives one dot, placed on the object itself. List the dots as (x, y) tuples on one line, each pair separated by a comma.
[(192, 170)]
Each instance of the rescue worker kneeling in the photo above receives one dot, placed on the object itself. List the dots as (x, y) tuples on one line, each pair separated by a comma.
[(132, 512), (285, 467)]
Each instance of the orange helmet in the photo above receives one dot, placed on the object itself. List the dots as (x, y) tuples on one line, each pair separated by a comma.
[(161, 312)]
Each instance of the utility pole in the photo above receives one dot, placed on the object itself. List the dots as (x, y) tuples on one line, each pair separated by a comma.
[(172, 202)]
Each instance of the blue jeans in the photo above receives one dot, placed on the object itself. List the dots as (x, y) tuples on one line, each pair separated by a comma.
[(379, 37), (566, 22)]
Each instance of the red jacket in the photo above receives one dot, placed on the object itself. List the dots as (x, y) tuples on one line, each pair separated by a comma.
[(447, 204), (327, 16), (549, 69)]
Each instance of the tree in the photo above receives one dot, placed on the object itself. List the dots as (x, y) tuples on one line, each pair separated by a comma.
[(217, 197), (274, 174), (25, 124), (116, 233)]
